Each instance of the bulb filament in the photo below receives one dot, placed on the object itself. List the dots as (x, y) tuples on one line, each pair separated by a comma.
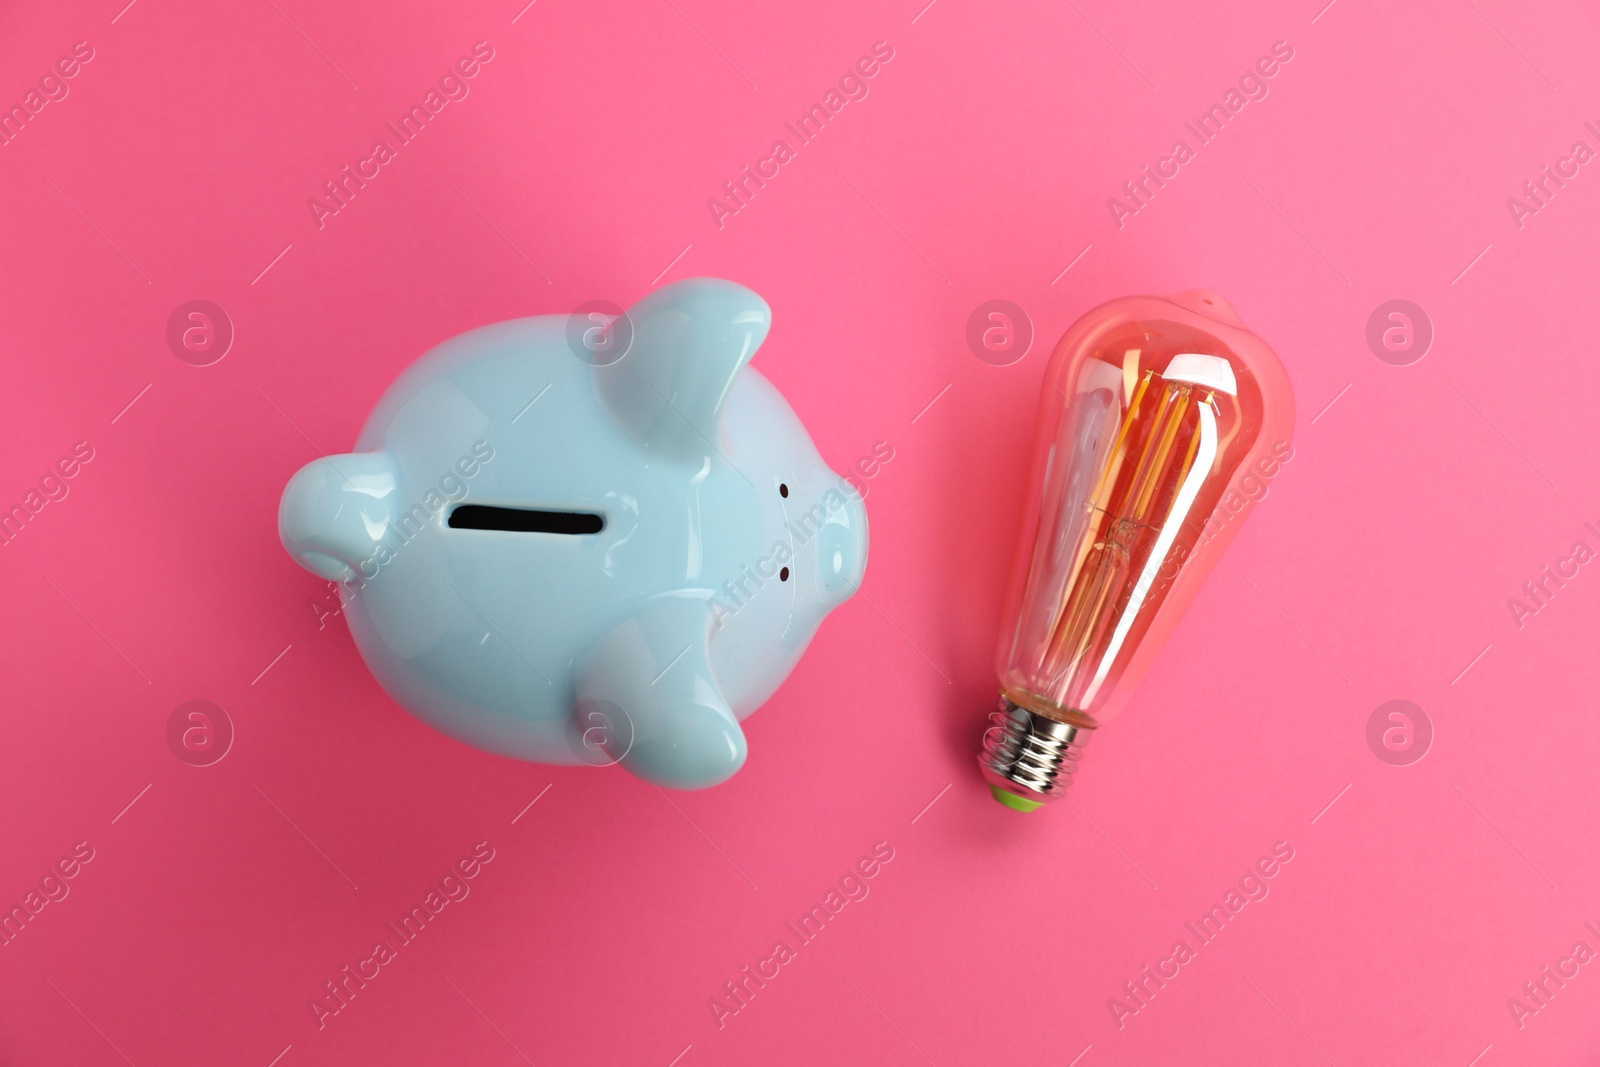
[(1100, 554)]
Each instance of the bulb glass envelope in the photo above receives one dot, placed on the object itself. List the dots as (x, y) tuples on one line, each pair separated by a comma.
[(1161, 422)]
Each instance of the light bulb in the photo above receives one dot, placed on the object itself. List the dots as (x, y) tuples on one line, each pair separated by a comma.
[(1161, 422)]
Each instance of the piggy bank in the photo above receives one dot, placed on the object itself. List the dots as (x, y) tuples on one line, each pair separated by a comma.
[(587, 539)]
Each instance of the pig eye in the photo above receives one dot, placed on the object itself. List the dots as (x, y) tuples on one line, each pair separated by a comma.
[(783, 490), (783, 575)]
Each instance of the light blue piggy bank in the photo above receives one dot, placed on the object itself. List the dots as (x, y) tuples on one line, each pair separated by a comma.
[(583, 540)]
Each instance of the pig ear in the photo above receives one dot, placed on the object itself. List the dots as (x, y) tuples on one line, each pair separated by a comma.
[(690, 340), (336, 509), (665, 717)]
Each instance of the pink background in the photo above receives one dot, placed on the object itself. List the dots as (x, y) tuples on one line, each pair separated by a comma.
[(979, 166)]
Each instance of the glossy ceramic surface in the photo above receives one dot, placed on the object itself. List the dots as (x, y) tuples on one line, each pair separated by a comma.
[(723, 539)]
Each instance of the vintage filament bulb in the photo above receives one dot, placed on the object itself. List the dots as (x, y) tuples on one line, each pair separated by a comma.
[(1161, 422)]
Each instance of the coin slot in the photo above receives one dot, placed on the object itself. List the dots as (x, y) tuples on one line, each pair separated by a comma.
[(525, 520)]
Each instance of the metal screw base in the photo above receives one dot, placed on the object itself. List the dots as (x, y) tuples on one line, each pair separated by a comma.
[(1029, 755)]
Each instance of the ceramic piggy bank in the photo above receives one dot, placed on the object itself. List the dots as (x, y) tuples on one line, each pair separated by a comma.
[(592, 540)]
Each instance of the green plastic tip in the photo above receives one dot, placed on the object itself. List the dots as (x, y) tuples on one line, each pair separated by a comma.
[(1011, 800)]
